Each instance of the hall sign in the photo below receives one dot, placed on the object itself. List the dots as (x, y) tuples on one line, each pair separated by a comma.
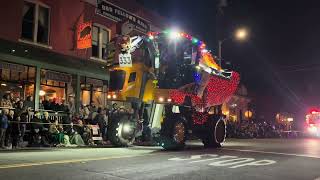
[(118, 14), (55, 76), (94, 82)]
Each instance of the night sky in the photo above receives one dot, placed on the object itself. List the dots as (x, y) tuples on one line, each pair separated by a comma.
[(279, 64)]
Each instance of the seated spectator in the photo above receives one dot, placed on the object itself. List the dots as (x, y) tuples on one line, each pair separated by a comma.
[(66, 121), (75, 137), (86, 113), (56, 131)]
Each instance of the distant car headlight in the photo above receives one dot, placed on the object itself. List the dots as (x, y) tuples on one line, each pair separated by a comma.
[(313, 129)]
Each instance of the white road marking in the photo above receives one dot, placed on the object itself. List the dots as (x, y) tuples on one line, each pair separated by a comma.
[(224, 160), (230, 162), (275, 153), (213, 159), (256, 163)]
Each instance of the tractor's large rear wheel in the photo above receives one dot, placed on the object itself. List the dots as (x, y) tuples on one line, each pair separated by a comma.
[(216, 133), (173, 133), (122, 131)]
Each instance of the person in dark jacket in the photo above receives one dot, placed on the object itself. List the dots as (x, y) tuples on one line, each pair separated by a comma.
[(3, 126), (100, 120), (15, 131), (36, 128), (29, 102), (24, 114)]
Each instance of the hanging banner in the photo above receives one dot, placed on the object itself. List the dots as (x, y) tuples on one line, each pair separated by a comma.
[(84, 35), (117, 14)]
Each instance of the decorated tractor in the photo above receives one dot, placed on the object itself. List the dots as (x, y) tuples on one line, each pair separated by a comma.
[(167, 88), (312, 123)]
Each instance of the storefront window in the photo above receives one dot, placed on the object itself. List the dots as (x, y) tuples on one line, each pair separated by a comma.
[(56, 87), (93, 91), (16, 80)]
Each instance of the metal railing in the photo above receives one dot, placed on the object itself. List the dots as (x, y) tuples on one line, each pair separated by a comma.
[(53, 115)]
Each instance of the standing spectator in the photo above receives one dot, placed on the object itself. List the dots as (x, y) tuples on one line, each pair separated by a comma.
[(41, 105), (3, 126), (45, 131), (100, 120), (46, 120), (46, 103), (36, 129), (29, 102), (106, 121), (8, 131), (22, 113), (15, 102), (71, 105), (15, 132)]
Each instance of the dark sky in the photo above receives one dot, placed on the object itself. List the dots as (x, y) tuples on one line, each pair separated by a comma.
[(280, 63)]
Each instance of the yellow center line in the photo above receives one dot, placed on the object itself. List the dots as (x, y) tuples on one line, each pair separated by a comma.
[(63, 161)]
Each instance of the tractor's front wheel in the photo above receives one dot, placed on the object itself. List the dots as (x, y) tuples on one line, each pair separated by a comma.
[(216, 135), (122, 131), (173, 133)]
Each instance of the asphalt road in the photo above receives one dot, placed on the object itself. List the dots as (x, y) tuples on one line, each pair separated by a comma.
[(239, 159)]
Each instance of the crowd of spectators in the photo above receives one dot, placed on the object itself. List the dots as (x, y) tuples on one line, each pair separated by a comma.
[(21, 126), (252, 129)]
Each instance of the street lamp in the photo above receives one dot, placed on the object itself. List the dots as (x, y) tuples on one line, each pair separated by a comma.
[(240, 34)]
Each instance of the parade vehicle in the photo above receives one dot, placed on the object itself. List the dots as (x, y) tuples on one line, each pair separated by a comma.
[(313, 122), (166, 86)]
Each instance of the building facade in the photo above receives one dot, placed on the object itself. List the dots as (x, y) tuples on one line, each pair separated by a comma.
[(237, 108), (39, 47)]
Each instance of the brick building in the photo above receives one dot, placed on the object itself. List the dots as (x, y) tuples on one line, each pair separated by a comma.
[(38, 47)]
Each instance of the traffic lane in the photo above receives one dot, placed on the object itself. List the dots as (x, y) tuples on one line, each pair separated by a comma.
[(306, 146), (190, 164)]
